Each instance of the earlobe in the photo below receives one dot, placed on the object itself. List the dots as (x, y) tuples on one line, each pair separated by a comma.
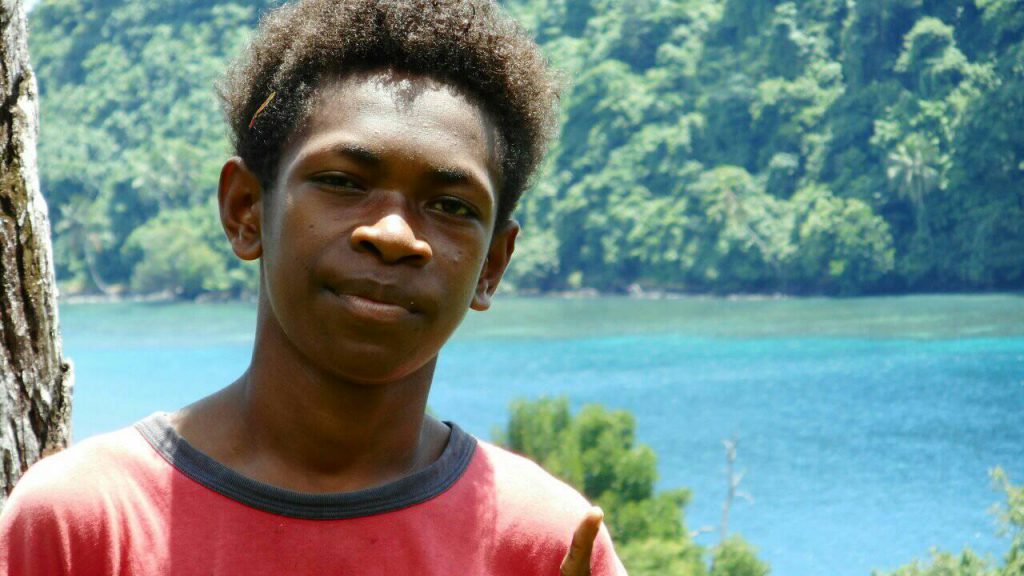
[(239, 196), (499, 254)]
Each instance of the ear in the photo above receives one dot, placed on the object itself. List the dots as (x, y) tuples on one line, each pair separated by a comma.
[(240, 197), (498, 256)]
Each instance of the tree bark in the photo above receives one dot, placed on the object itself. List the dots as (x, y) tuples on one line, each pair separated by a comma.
[(35, 381)]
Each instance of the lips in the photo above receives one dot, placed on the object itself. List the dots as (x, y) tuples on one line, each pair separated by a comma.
[(375, 300)]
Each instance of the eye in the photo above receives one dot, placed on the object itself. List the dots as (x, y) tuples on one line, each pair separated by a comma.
[(336, 180), (455, 207)]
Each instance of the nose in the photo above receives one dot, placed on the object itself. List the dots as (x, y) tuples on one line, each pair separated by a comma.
[(393, 241)]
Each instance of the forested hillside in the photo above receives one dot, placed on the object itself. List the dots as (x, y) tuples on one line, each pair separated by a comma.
[(725, 146)]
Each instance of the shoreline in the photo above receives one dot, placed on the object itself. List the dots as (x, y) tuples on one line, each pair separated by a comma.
[(581, 294)]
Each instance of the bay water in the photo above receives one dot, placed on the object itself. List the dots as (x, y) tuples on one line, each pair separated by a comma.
[(866, 428)]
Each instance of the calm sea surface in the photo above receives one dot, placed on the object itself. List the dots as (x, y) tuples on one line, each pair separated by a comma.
[(866, 427)]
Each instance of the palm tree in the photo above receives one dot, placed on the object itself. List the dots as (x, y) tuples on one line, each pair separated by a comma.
[(914, 172)]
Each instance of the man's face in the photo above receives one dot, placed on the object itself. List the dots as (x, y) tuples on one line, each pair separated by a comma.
[(377, 236)]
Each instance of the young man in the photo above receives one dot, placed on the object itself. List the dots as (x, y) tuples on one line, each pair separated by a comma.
[(382, 146)]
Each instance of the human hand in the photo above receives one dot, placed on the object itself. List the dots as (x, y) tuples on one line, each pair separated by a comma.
[(577, 560)]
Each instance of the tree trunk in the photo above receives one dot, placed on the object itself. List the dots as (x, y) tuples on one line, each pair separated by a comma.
[(35, 381)]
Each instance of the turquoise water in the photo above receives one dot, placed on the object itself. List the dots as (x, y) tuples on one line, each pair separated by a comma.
[(866, 427)]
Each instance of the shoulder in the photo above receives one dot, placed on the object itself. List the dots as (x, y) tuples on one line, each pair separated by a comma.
[(521, 481), (65, 505), (82, 482), (98, 463), (536, 513)]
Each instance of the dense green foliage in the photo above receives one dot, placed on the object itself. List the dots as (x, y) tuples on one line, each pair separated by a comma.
[(596, 452), (754, 145), (132, 140), (824, 146), (968, 563)]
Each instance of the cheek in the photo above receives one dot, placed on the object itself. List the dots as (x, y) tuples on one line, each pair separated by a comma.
[(472, 265), (305, 225), (293, 237)]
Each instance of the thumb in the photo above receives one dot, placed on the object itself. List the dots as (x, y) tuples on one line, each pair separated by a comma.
[(577, 560)]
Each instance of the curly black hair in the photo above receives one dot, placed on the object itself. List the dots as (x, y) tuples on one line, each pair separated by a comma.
[(468, 44)]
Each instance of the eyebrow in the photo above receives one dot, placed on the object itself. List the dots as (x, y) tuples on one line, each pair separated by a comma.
[(452, 176), (356, 152), (444, 175)]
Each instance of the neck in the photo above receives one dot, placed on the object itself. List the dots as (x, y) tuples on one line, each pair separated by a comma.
[(291, 425)]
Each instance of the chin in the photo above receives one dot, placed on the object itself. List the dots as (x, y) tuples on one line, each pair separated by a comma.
[(372, 370)]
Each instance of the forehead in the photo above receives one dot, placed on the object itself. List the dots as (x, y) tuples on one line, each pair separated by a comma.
[(396, 91), (414, 112)]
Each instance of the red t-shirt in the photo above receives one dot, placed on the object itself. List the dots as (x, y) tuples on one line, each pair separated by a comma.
[(142, 501)]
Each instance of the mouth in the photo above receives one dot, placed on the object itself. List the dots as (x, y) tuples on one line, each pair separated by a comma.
[(374, 301)]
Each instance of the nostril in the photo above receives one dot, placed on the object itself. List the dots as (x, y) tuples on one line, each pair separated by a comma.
[(370, 247)]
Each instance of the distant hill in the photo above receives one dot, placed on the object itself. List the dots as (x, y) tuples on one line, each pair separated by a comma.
[(707, 146)]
